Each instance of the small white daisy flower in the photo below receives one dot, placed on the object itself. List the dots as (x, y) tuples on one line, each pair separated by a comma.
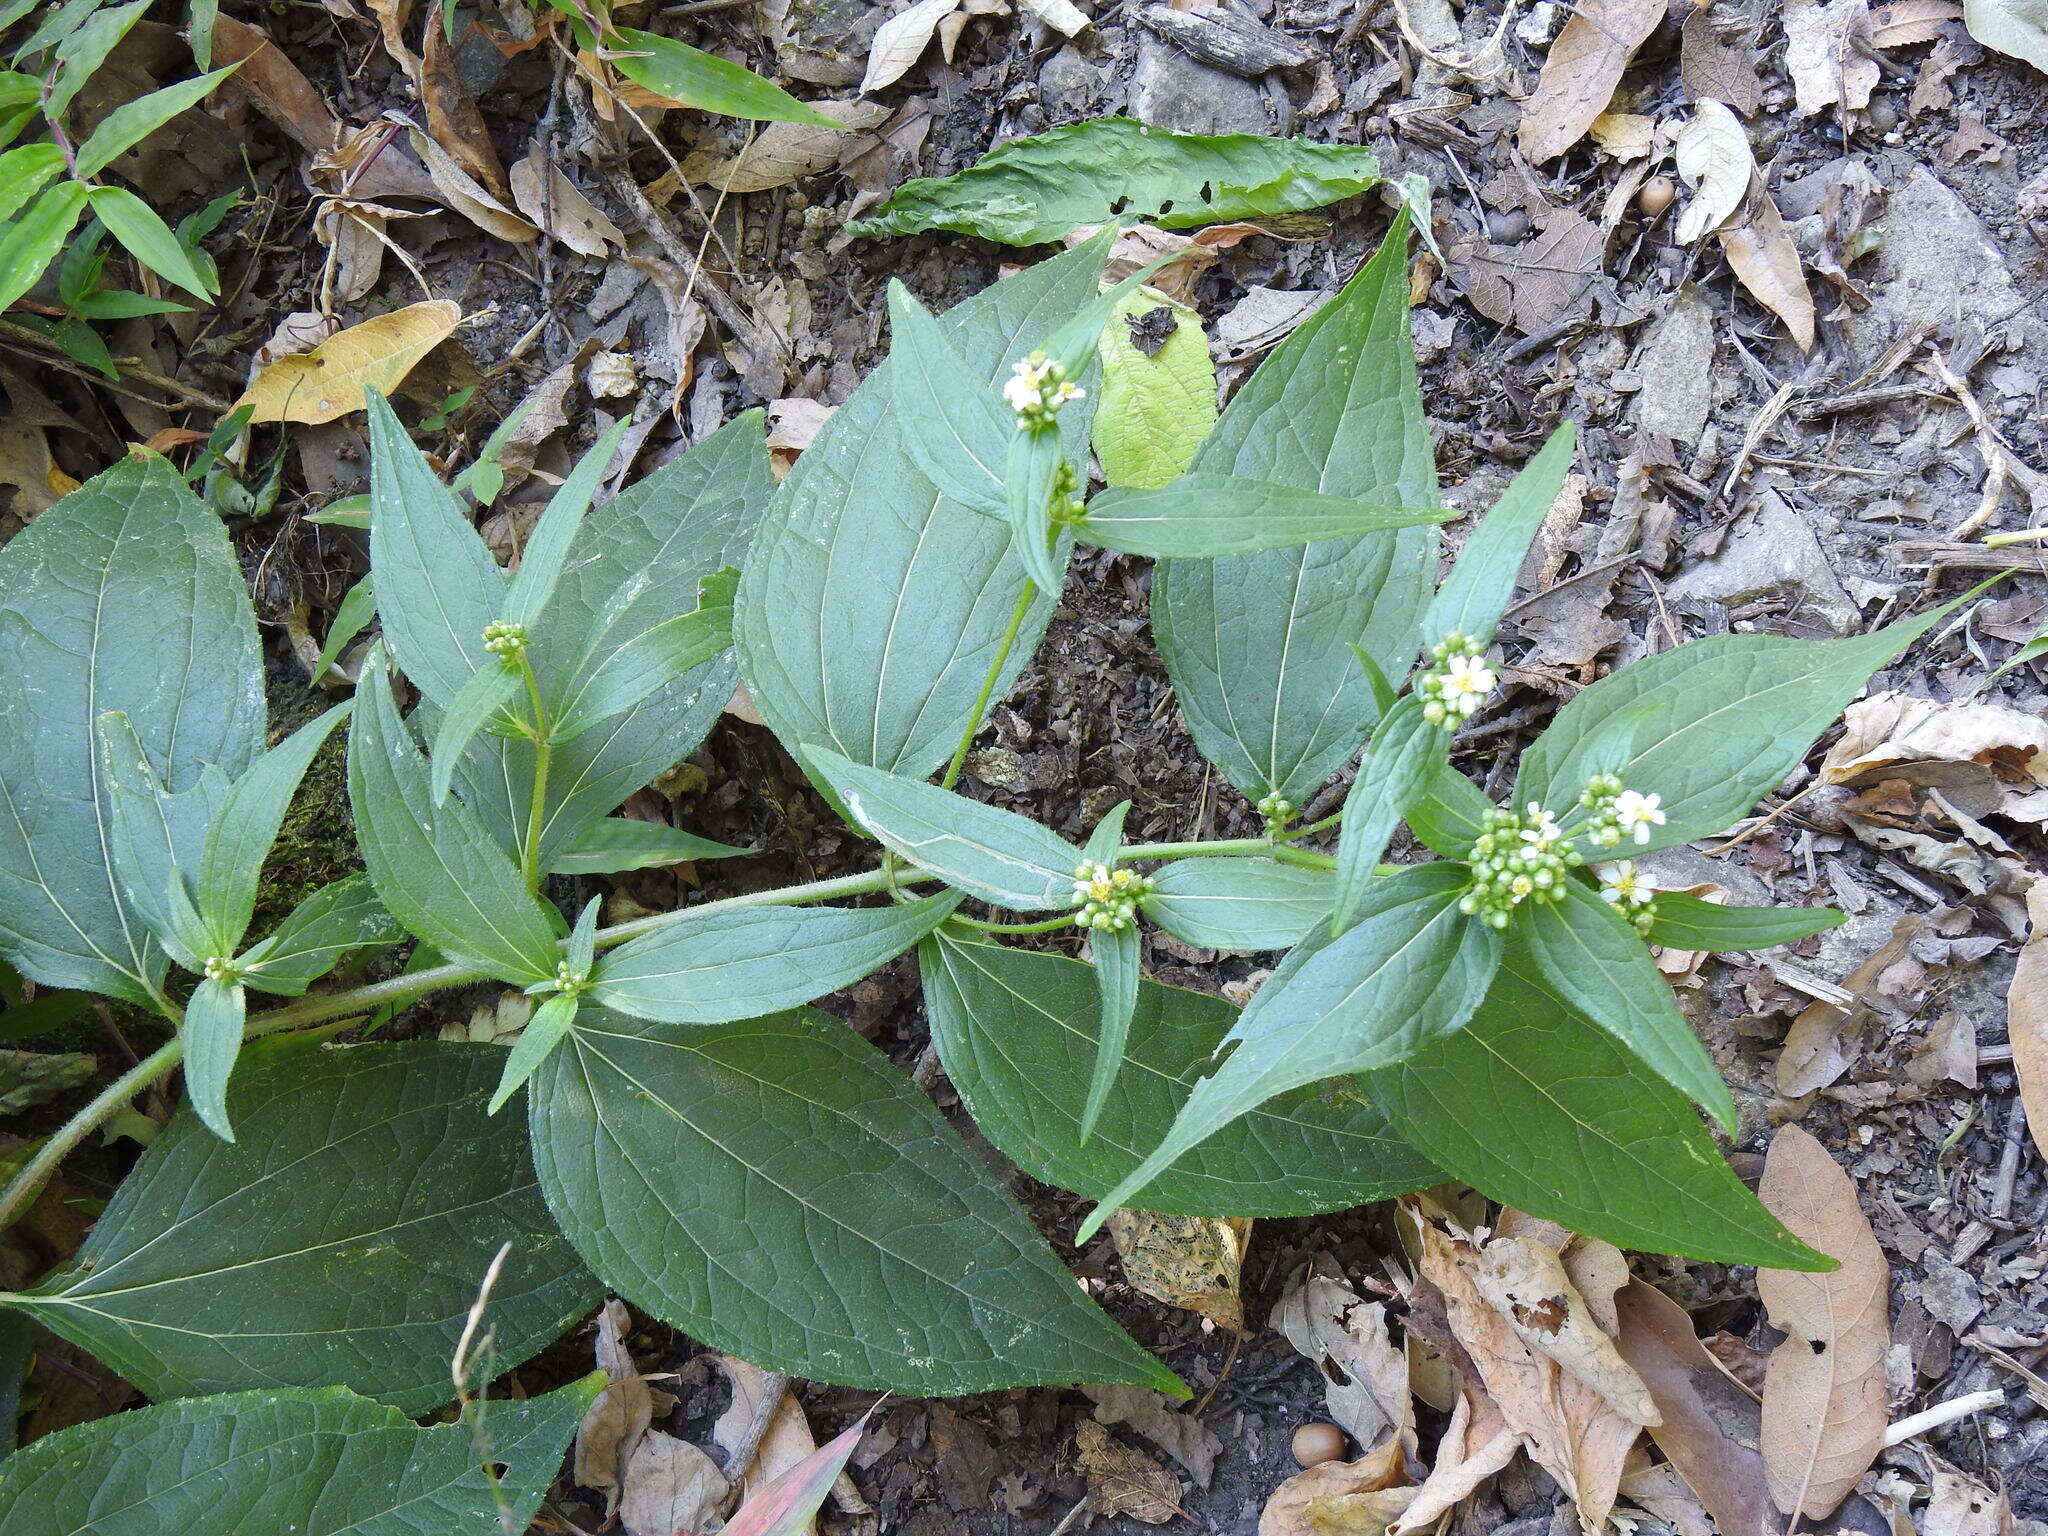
[(1636, 813)]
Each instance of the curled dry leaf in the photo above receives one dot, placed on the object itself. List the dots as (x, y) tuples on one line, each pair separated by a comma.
[(1123, 1480), (1584, 66), (785, 1445), (1525, 1280), (328, 382), (1341, 1498), (1190, 1262), (274, 85), (1624, 135), (2027, 1017), (1824, 1390), (611, 1431), (783, 152), (901, 39), (1714, 158), (552, 201), (1983, 758), (1708, 1424), (1830, 54), (1365, 1373), (1477, 1443), (452, 115), (1762, 255), (671, 1486), (1063, 16), (1162, 1421), (466, 196)]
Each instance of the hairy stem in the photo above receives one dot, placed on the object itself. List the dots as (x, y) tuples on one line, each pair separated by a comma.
[(543, 759), (988, 686), (25, 1185)]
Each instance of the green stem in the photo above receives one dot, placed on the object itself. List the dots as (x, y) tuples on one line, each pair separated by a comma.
[(23, 1188), (988, 686), (1064, 920), (543, 759)]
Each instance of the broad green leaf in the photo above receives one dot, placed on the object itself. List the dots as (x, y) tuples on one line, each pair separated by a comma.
[(489, 690), (124, 598), (23, 172), (1155, 409), (983, 850), (436, 869), (146, 237), (620, 843), (1684, 921), (1449, 814), (693, 78), (1106, 838), (32, 241), (17, 89), (775, 1188), (743, 962), (1206, 515), (155, 840), (961, 430), (1029, 472), (341, 1241), (1475, 594), (1403, 758), (1033, 191), (239, 839), (314, 935), (79, 48), (544, 1033), (357, 607), (750, 961), (1114, 953), (437, 585), (1742, 711), (1538, 1109), (872, 606), (1017, 1031), (325, 1463), (547, 550), (1411, 968), (1259, 646), (640, 561), (1593, 958), (214, 1020), (1241, 904), (651, 661), (132, 121), (1603, 751)]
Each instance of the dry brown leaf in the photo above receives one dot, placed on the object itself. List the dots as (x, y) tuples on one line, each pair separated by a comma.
[(1829, 54), (1824, 1390), (1125, 1481), (1719, 62), (1906, 22), (274, 85), (671, 1486), (1568, 1428), (328, 382), (611, 1431), (1624, 135), (901, 39), (1340, 1498), (1162, 1421), (2027, 1016), (1959, 1505), (793, 422), (1984, 758), (788, 1439), (1476, 1444), (1823, 1041), (1584, 65), (553, 203), (466, 196), (1063, 16), (1525, 1280), (452, 115), (783, 152), (1709, 1428), (1365, 1373), (1190, 1262), (391, 15), (1714, 158), (1761, 253)]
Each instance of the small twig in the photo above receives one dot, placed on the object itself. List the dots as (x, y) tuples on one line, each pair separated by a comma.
[(1943, 1413), (2002, 467), (2009, 1159), (1071, 1519), (774, 1389)]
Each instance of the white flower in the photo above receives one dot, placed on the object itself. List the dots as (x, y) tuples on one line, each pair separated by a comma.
[(1467, 678), (1025, 390), (1622, 885), (1636, 813)]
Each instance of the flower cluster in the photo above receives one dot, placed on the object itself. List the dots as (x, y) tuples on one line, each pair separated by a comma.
[(1630, 894), (1107, 898), (1514, 858), (1456, 681), (220, 968), (505, 640), (1278, 811), (1036, 390), (567, 980), (1618, 812)]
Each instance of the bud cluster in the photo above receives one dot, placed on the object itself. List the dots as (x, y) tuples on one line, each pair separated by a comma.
[(1618, 812), (1107, 898), (220, 968), (1456, 681), (1278, 811), (1629, 893), (1517, 857), (567, 980), (505, 640), (1036, 390)]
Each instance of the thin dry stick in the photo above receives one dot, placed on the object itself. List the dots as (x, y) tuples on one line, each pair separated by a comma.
[(2002, 467), (774, 1389)]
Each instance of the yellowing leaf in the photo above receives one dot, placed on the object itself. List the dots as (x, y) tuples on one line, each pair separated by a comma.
[(328, 382), (1190, 1262), (1158, 391)]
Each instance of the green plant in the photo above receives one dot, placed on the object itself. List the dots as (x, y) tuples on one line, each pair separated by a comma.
[(49, 184), (705, 1143)]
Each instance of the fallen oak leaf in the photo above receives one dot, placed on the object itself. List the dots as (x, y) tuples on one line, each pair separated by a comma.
[(1830, 54), (1824, 1389), (670, 1486), (327, 383)]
